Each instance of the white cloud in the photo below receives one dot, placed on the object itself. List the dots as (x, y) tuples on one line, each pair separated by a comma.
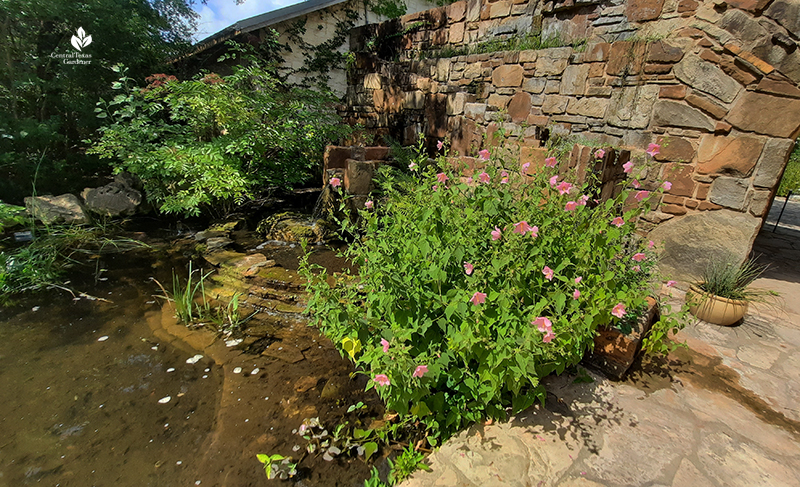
[(216, 15)]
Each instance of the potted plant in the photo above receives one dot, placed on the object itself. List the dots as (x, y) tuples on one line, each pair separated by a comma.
[(723, 295)]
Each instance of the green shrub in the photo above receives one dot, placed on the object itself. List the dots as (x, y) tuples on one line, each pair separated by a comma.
[(209, 142), (469, 292), (791, 176)]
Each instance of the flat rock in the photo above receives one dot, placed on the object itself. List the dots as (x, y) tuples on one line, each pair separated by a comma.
[(49, 209), (285, 352)]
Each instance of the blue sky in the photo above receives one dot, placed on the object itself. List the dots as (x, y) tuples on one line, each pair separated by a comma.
[(215, 15)]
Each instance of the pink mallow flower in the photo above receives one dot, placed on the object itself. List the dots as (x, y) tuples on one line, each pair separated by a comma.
[(599, 153), (641, 195), (478, 298), (468, 268), (525, 167), (550, 162), (666, 185), (504, 176), (618, 221), (385, 345), (522, 228), (441, 177), (435, 187), (484, 178), (413, 166), (639, 256), (570, 206), (484, 154), (583, 200), (653, 149), (335, 182), (636, 268), (554, 180), (420, 371), (635, 183), (496, 233), (548, 273), (627, 167), (548, 337), (671, 283), (542, 324), (618, 310), (369, 204), (650, 244), (382, 380), (578, 279), (564, 187), (440, 144), (576, 294)]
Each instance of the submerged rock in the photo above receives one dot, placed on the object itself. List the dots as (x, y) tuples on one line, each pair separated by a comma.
[(294, 227)]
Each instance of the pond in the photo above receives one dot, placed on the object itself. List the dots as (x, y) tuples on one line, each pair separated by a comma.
[(112, 391)]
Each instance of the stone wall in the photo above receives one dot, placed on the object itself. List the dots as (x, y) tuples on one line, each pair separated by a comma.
[(714, 83)]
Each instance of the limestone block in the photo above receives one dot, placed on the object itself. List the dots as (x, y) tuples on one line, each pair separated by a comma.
[(414, 100), (442, 70), (358, 176), (549, 66), (729, 192), (573, 81), (680, 175), (456, 11), (475, 111), (759, 203), (640, 10), (689, 241), (707, 105), (706, 77), (667, 113), (773, 160), (588, 107), (456, 33), (663, 52), (744, 28), (455, 103), (500, 9), (473, 70), (786, 13), (519, 107), (499, 101), (631, 106), (766, 114), (507, 75), (528, 56), (554, 104), (534, 85), (735, 156), (473, 10), (674, 149)]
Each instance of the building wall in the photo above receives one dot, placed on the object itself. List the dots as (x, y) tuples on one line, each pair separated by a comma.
[(714, 83)]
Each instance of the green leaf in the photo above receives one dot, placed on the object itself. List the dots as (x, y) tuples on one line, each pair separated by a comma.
[(369, 449)]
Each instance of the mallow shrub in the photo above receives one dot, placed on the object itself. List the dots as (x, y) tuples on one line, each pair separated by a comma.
[(470, 290)]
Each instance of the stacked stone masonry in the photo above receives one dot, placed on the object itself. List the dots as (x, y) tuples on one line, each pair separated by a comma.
[(715, 83)]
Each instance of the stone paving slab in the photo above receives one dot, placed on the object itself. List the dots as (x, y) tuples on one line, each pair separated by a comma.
[(723, 412)]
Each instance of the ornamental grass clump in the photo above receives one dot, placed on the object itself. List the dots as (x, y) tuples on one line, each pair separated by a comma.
[(471, 289)]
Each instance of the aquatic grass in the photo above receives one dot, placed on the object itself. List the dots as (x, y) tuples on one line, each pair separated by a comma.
[(184, 298), (41, 263), (228, 318)]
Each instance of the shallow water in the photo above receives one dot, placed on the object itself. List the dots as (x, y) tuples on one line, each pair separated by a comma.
[(80, 409), (75, 410)]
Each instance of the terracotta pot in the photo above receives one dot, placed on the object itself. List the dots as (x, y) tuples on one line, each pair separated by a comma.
[(714, 309)]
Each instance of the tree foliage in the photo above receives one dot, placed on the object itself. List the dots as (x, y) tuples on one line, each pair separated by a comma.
[(207, 142), (47, 103)]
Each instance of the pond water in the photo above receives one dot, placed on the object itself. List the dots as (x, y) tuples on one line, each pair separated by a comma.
[(95, 394)]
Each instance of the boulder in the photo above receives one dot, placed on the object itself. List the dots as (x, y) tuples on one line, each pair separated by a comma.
[(689, 242), (293, 227), (50, 209), (119, 198)]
